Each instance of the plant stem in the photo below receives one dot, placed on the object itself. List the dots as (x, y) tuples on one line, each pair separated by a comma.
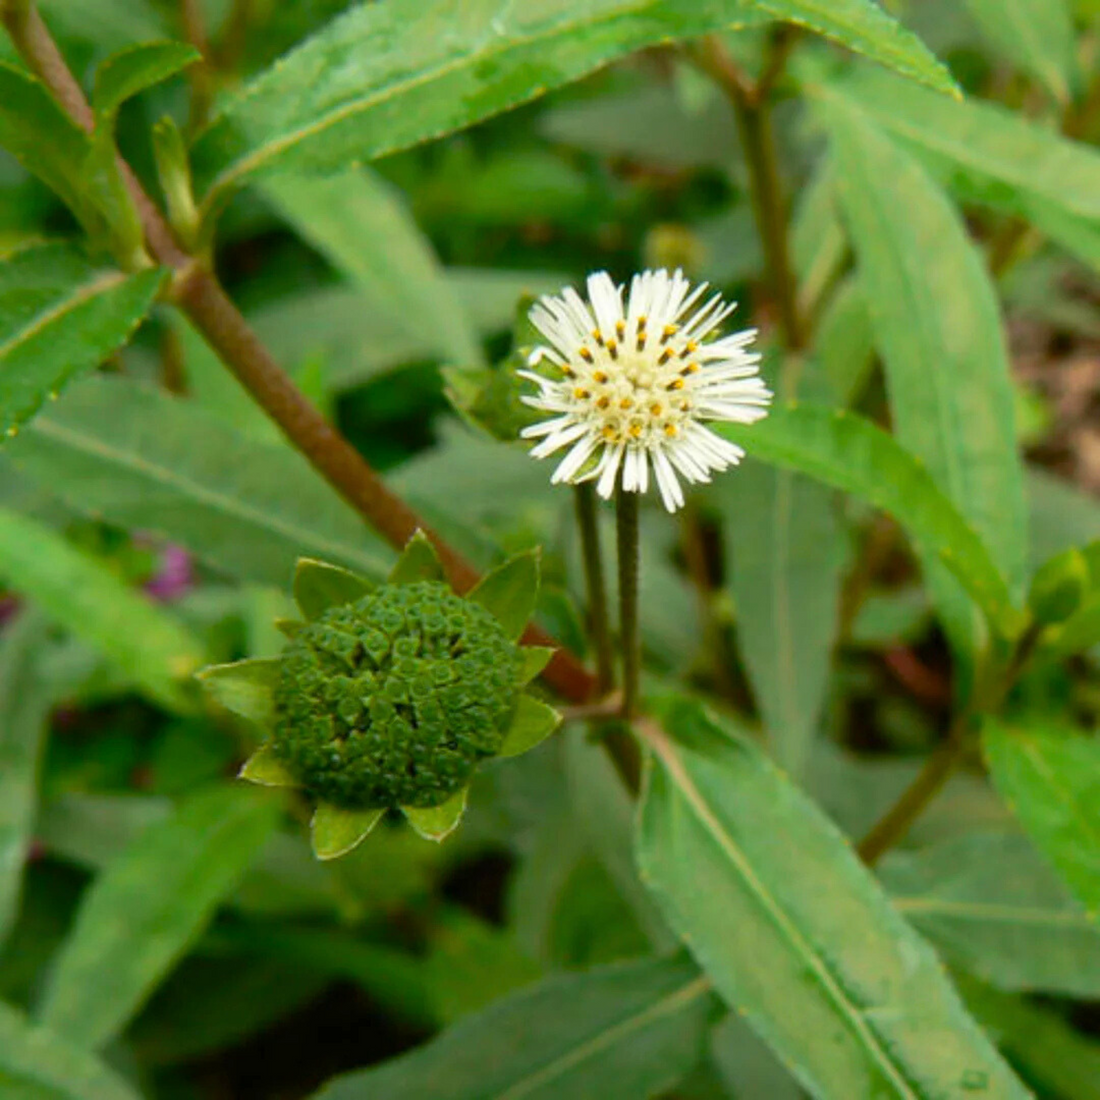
[(754, 122), (584, 498), (198, 293), (897, 821), (626, 529)]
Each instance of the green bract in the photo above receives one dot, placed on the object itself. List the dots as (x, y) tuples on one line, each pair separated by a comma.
[(392, 700), (389, 697)]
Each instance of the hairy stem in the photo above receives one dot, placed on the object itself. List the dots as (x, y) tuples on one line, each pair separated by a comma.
[(626, 528), (599, 627), (199, 294)]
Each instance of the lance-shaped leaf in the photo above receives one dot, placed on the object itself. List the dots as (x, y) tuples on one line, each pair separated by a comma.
[(335, 831), (359, 223), (128, 72), (144, 911), (143, 639), (126, 453), (438, 822), (42, 137), (794, 931), (784, 560), (340, 97), (510, 592), (319, 585), (36, 1064), (1050, 777), (24, 721), (618, 1033), (989, 902), (1037, 35), (244, 687), (936, 322), (992, 156), (532, 723), (60, 315), (417, 562), (851, 453)]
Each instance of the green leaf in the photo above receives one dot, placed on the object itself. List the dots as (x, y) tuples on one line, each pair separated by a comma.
[(509, 591), (533, 722), (989, 903), (994, 156), (265, 769), (535, 659), (1040, 1041), (147, 908), (438, 822), (417, 562), (1050, 778), (793, 930), (852, 454), (936, 321), (359, 339), (619, 1033), (35, 1064), (1037, 35), (130, 71), (142, 459), (244, 687), (1077, 634), (78, 592), (319, 585), (60, 316), (341, 97), (359, 223), (24, 724), (335, 831), (784, 558), (42, 137)]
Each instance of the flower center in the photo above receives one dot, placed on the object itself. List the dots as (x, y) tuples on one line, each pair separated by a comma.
[(633, 385)]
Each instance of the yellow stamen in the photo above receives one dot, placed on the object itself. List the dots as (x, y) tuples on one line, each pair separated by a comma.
[(671, 431), (585, 354), (580, 393), (675, 384), (599, 376)]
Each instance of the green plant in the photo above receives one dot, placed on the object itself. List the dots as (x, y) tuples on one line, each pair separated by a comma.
[(830, 765)]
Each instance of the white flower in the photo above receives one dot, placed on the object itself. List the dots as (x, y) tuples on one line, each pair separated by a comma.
[(633, 386)]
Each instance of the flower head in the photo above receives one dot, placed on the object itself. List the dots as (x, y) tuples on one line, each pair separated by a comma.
[(633, 384)]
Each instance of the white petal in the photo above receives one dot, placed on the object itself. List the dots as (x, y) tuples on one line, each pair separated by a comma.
[(611, 459), (575, 459)]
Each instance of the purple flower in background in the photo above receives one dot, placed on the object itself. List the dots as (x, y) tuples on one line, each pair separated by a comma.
[(175, 576)]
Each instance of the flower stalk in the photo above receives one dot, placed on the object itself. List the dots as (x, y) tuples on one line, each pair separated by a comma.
[(626, 529)]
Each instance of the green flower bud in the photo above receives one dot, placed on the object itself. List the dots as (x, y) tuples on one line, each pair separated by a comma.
[(1059, 587), (392, 700)]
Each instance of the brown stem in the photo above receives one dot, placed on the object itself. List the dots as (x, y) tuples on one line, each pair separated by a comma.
[(199, 294), (753, 111), (898, 820)]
